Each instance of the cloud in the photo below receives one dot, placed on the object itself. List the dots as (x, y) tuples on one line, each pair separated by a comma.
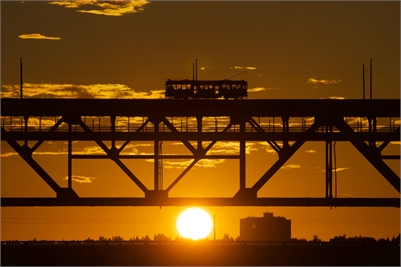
[(242, 68), (37, 36), (395, 143), (203, 163), (60, 148), (205, 67), (310, 151), (324, 81), (347, 195), (72, 4), (54, 153), (290, 166), (266, 147), (47, 90), (333, 97), (338, 169), (114, 8), (260, 89), (8, 154), (81, 179)]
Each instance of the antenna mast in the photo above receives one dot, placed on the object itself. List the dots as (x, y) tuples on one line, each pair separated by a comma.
[(196, 69), (363, 80), (370, 78), (20, 70)]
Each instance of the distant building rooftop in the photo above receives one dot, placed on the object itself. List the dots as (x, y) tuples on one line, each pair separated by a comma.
[(266, 228)]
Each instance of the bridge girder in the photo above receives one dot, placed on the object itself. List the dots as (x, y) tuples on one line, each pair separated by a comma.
[(326, 125)]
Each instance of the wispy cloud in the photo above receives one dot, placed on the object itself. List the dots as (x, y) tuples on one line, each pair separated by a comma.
[(266, 147), (53, 153), (60, 148), (47, 90), (205, 67), (290, 166), (37, 36), (324, 81), (114, 8), (338, 169), (182, 164), (260, 89), (347, 195), (333, 97), (310, 151), (81, 179), (395, 143), (8, 154), (242, 68)]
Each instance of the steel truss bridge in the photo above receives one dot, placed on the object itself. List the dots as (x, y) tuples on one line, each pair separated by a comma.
[(284, 124)]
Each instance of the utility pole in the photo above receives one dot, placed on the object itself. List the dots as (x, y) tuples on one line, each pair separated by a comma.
[(214, 227), (371, 79), (363, 80), (20, 75)]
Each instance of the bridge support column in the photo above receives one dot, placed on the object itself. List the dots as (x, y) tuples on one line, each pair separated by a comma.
[(69, 157), (26, 129), (113, 130), (242, 159), (329, 165), (372, 130), (156, 154), (199, 121), (157, 195), (285, 129), (70, 120)]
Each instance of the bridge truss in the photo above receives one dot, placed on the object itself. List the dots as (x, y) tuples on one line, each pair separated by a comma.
[(193, 123)]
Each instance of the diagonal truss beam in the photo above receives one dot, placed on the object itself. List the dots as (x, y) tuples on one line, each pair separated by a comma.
[(385, 143), (51, 130), (284, 155), (195, 161), (116, 159), (137, 131), (257, 127), (174, 130), (372, 155), (26, 154)]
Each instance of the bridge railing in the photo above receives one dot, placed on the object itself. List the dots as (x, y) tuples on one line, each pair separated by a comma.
[(19, 126)]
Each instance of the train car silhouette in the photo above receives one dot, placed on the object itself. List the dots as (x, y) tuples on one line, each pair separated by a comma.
[(184, 89)]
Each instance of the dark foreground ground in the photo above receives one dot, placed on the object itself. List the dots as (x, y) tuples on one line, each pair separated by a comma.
[(176, 253)]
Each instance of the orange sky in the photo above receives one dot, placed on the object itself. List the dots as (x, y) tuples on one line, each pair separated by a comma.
[(307, 50)]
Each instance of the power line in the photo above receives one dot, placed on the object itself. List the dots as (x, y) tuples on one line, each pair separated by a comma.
[(153, 72), (158, 219)]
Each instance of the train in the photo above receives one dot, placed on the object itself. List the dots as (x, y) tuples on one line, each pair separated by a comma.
[(195, 89)]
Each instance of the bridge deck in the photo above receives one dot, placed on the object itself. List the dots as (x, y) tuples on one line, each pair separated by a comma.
[(168, 107)]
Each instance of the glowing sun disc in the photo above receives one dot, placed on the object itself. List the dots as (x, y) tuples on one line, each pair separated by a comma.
[(194, 223)]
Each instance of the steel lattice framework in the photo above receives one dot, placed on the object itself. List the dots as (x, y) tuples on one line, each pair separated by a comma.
[(321, 120)]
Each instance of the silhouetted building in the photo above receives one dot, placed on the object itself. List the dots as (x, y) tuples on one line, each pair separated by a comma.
[(266, 228)]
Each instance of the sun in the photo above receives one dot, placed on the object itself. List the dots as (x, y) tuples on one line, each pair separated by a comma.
[(194, 223)]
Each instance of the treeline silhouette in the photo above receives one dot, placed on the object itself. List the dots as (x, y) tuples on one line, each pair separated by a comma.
[(348, 251), (226, 237)]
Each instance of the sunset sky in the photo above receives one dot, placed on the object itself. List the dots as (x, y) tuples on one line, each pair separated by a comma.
[(127, 49)]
